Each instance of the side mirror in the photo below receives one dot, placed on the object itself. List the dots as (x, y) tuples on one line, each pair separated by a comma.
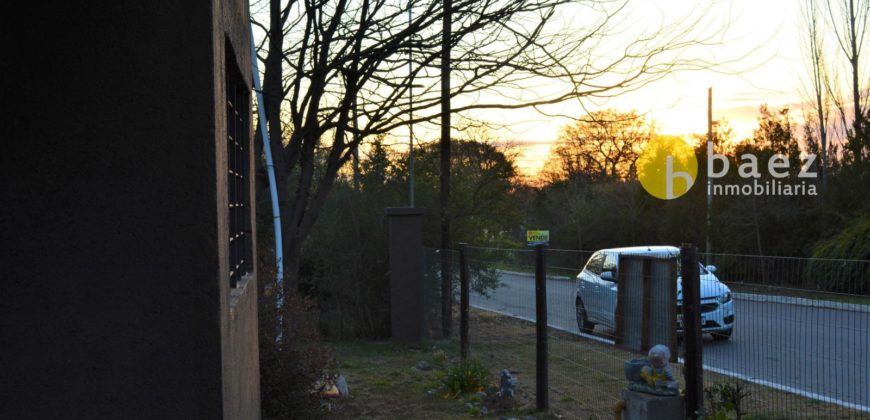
[(607, 275), (711, 269)]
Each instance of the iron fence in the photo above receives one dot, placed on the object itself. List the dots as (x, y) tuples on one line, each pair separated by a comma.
[(791, 334)]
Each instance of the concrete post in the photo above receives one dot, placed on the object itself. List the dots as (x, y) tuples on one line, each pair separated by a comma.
[(640, 406), (406, 274)]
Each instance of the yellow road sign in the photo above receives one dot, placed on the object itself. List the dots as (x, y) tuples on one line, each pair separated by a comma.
[(535, 237)]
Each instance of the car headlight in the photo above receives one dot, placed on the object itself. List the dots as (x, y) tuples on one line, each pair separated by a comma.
[(725, 297)]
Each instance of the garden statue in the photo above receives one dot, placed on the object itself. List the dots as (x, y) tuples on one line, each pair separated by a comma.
[(508, 385), (652, 375)]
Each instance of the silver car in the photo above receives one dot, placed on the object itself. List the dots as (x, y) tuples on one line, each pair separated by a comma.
[(595, 302)]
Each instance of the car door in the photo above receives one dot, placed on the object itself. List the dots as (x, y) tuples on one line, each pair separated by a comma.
[(590, 286), (608, 289)]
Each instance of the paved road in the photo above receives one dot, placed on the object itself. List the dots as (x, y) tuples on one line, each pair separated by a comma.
[(816, 351)]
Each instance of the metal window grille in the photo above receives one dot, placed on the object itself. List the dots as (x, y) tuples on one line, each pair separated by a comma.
[(238, 176)]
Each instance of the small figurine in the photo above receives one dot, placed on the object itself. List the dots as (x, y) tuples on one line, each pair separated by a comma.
[(659, 373), (655, 375), (508, 384)]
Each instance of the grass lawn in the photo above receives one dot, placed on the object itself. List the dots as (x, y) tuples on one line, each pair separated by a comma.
[(798, 293), (385, 384), (585, 377)]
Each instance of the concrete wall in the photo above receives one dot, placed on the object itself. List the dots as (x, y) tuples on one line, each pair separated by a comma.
[(240, 367), (116, 302)]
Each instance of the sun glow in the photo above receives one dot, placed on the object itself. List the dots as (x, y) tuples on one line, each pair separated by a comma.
[(764, 34)]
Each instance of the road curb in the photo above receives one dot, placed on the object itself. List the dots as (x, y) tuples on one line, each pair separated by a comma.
[(813, 303), (786, 300), (532, 275)]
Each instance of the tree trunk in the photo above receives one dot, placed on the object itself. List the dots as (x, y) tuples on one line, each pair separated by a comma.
[(273, 94), (446, 257), (357, 176), (292, 254), (758, 240), (856, 94)]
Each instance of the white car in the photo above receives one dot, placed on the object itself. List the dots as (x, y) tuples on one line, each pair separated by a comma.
[(595, 302)]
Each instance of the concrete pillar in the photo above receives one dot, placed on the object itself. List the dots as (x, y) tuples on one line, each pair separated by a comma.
[(640, 406), (406, 274)]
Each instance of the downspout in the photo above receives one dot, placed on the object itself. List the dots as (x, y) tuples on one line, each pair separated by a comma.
[(270, 169)]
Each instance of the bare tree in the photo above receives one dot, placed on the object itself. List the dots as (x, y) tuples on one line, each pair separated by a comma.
[(605, 145), (814, 52), (848, 19), (326, 60)]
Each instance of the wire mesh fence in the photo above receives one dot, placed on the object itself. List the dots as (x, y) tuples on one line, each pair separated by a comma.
[(825, 276), (802, 331), (501, 329), (436, 263), (793, 341)]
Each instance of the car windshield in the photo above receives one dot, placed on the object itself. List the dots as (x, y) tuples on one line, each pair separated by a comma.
[(701, 269), (595, 263)]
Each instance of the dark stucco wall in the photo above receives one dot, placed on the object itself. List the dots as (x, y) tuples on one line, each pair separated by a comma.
[(241, 375), (113, 300)]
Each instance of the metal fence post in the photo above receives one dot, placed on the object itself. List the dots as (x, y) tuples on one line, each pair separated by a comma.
[(463, 302), (446, 292), (694, 371), (541, 372)]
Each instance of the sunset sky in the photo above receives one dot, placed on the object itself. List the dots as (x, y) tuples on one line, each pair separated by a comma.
[(766, 32), (765, 35), (761, 46)]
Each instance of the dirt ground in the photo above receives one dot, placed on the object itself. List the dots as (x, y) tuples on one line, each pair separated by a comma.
[(386, 380)]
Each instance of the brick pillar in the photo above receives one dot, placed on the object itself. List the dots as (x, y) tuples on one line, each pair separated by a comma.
[(406, 274)]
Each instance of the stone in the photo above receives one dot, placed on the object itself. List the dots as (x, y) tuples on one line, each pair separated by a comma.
[(423, 365)]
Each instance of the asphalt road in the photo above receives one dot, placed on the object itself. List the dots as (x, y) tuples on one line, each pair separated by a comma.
[(818, 352)]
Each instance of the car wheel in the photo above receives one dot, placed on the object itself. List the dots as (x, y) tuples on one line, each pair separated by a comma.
[(582, 321), (722, 335)]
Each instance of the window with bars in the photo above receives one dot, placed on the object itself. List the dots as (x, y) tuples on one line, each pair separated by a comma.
[(238, 173)]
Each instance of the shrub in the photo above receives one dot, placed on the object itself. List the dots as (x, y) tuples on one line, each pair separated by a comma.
[(288, 372), (827, 271), (471, 376), (724, 399)]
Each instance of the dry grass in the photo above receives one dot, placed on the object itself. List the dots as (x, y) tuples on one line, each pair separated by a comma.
[(384, 384), (586, 377)]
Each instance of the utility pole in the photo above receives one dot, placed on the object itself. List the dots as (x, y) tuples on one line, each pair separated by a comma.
[(709, 170), (410, 107), (446, 255)]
